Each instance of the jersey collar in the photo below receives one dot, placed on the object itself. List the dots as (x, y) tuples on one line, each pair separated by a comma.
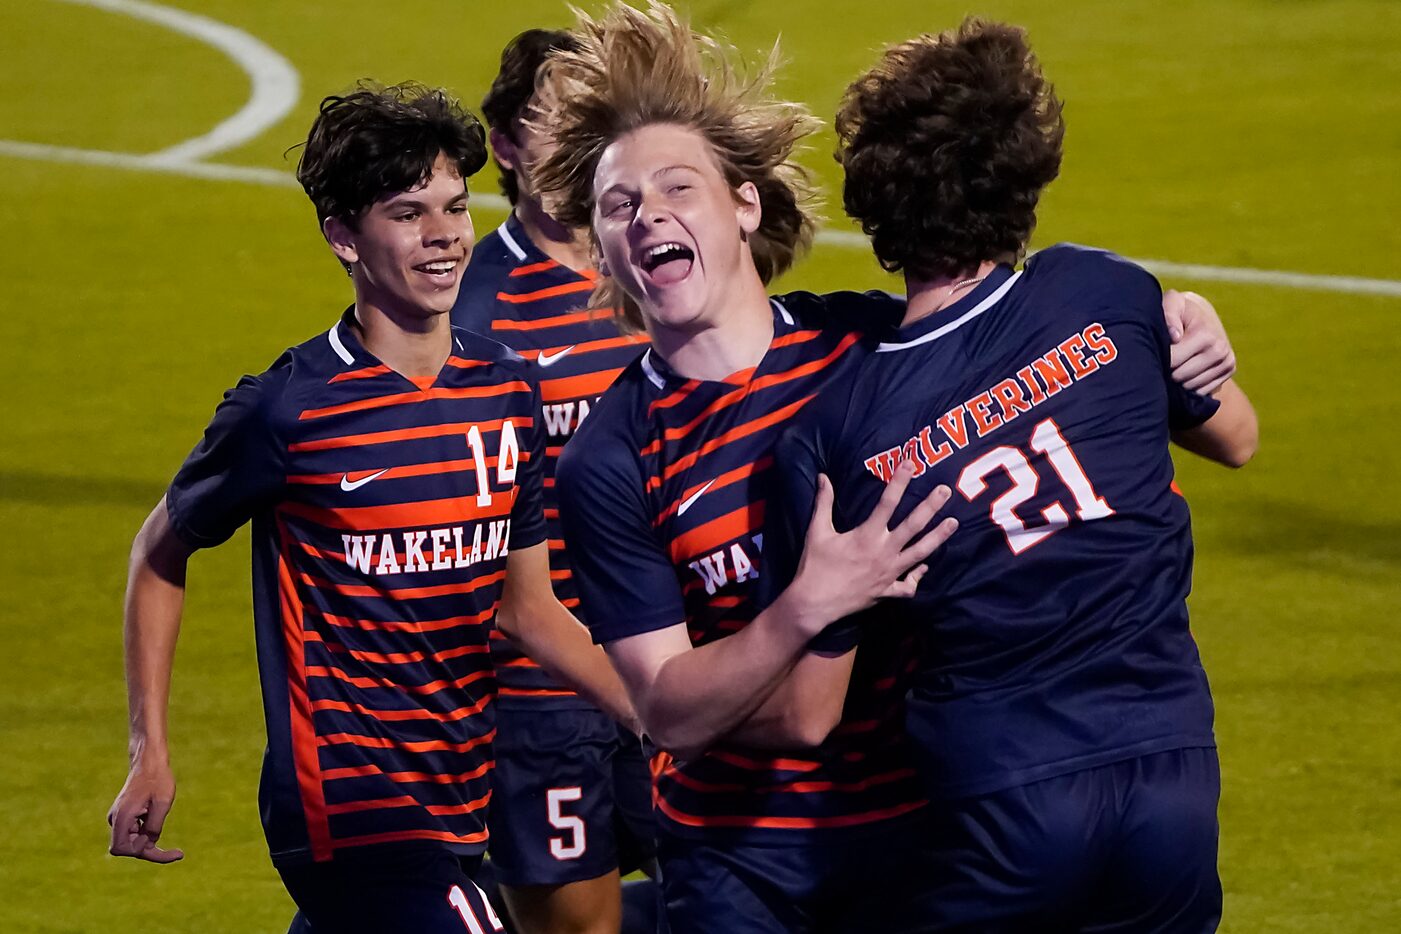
[(947, 320), (660, 374)]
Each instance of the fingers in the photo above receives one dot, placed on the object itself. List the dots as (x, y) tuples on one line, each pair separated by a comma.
[(920, 517), (931, 542), (893, 493), (154, 854), (905, 587), (821, 520), (1201, 358), (1174, 306)]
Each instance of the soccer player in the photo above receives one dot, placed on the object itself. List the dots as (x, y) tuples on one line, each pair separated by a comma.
[(1060, 710), (571, 800), (391, 468)]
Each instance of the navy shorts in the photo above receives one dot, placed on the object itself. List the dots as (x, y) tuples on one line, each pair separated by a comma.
[(1126, 848), (408, 889), (857, 882), (571, 797)]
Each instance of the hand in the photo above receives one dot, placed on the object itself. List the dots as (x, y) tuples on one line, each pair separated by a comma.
[(138, 814), (841, 574), (1202, 358)]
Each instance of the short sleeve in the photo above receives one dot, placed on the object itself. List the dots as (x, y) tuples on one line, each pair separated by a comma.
[(528, 512), (1188, 409), (236, 470), (627, 584), (798, 461)]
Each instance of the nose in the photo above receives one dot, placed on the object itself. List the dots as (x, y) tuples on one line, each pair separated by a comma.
[(443, 229), (650, 210)]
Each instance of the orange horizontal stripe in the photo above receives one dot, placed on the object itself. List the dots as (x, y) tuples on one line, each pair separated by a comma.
[(432, 687), (576, 317), (570, 604), (708, 536), (422, 745), (436, 778), (719, 483), (414, 713), (408, 434), (461, 363), (422, 395), (575, 387), (583, 347), (797, 337), (455, 510), (404, 801), (427, 625), (766, 765), (554, 291), (796, 787), (399, 658), (786, 823), (395, 836), (432, 469), (533, 268), (536, 692), (362, 373), (775, 417), (681, 392), (763, 382), (405, 593)]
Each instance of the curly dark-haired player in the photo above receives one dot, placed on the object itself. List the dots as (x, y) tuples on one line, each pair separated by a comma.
[(391, 468), (1060, 710), (571, 803)]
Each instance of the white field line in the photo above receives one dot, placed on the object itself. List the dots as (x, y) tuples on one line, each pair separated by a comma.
[(275, 83), (848, 239)]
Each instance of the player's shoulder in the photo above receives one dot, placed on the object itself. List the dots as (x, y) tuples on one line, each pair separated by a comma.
[(475, 346), (1080, 269), (873, 311), (488, 270), (609, 441)]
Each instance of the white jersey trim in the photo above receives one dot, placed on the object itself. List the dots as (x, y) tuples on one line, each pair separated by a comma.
[(651, 371), (339, 346), (511, 243), (958, 322), (782, 312)]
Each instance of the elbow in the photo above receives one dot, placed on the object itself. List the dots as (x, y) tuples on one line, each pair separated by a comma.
[(1238, 454), (811, 728)]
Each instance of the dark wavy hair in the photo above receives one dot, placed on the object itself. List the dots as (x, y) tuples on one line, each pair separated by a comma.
[(947, 144), (381, 140), (639, 67), (504, 104)]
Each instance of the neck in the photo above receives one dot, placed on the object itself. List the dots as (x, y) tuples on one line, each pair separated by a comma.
[(926, 297), (735, 338), (567, 246), (412, 345)]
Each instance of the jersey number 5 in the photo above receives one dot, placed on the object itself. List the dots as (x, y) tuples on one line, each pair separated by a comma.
[(507, 459), (1047, 440)]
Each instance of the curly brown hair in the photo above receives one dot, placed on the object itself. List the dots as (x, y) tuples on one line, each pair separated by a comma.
[(635, 68), (947, 144)]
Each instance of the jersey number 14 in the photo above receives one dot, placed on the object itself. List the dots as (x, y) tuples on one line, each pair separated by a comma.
[(507, 459), (1046, 440)]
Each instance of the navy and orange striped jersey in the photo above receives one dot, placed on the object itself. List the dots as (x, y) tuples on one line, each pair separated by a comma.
[(534, 305), (663, 498), (1054, 622), (383, 510)]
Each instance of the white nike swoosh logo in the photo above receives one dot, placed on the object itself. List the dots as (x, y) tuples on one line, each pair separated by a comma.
[(686, 503), (350, 485), (550, 359)]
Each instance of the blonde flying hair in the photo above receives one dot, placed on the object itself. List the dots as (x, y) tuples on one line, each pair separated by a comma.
[(636, 68)]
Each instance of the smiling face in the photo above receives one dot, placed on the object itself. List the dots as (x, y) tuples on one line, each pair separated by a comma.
[(671, 229), (408, 249)]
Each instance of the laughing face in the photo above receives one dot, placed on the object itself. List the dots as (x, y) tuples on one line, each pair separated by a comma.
[(409, 248), (671, 229)]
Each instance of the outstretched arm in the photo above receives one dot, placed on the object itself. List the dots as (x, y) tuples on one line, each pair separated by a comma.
[(155, 597)]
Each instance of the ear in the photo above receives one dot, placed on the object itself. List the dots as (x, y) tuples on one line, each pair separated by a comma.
[(342, 240), (747, 207), (504, 149)]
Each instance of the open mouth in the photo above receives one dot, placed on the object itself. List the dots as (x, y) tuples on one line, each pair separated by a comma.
[(441, 269), (667, 263)]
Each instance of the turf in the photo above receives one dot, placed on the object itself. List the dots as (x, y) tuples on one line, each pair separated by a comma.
[(1230, 133)]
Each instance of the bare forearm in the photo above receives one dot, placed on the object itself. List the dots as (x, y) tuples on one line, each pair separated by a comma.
[(1229, 437), (547, 632), (700, 695), (804, 709), (155, 597)]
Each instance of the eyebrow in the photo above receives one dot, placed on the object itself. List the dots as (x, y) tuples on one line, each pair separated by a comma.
[(405, 201), (665, 170)]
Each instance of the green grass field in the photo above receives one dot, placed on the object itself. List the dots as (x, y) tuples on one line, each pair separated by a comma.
[(1231, 133)]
